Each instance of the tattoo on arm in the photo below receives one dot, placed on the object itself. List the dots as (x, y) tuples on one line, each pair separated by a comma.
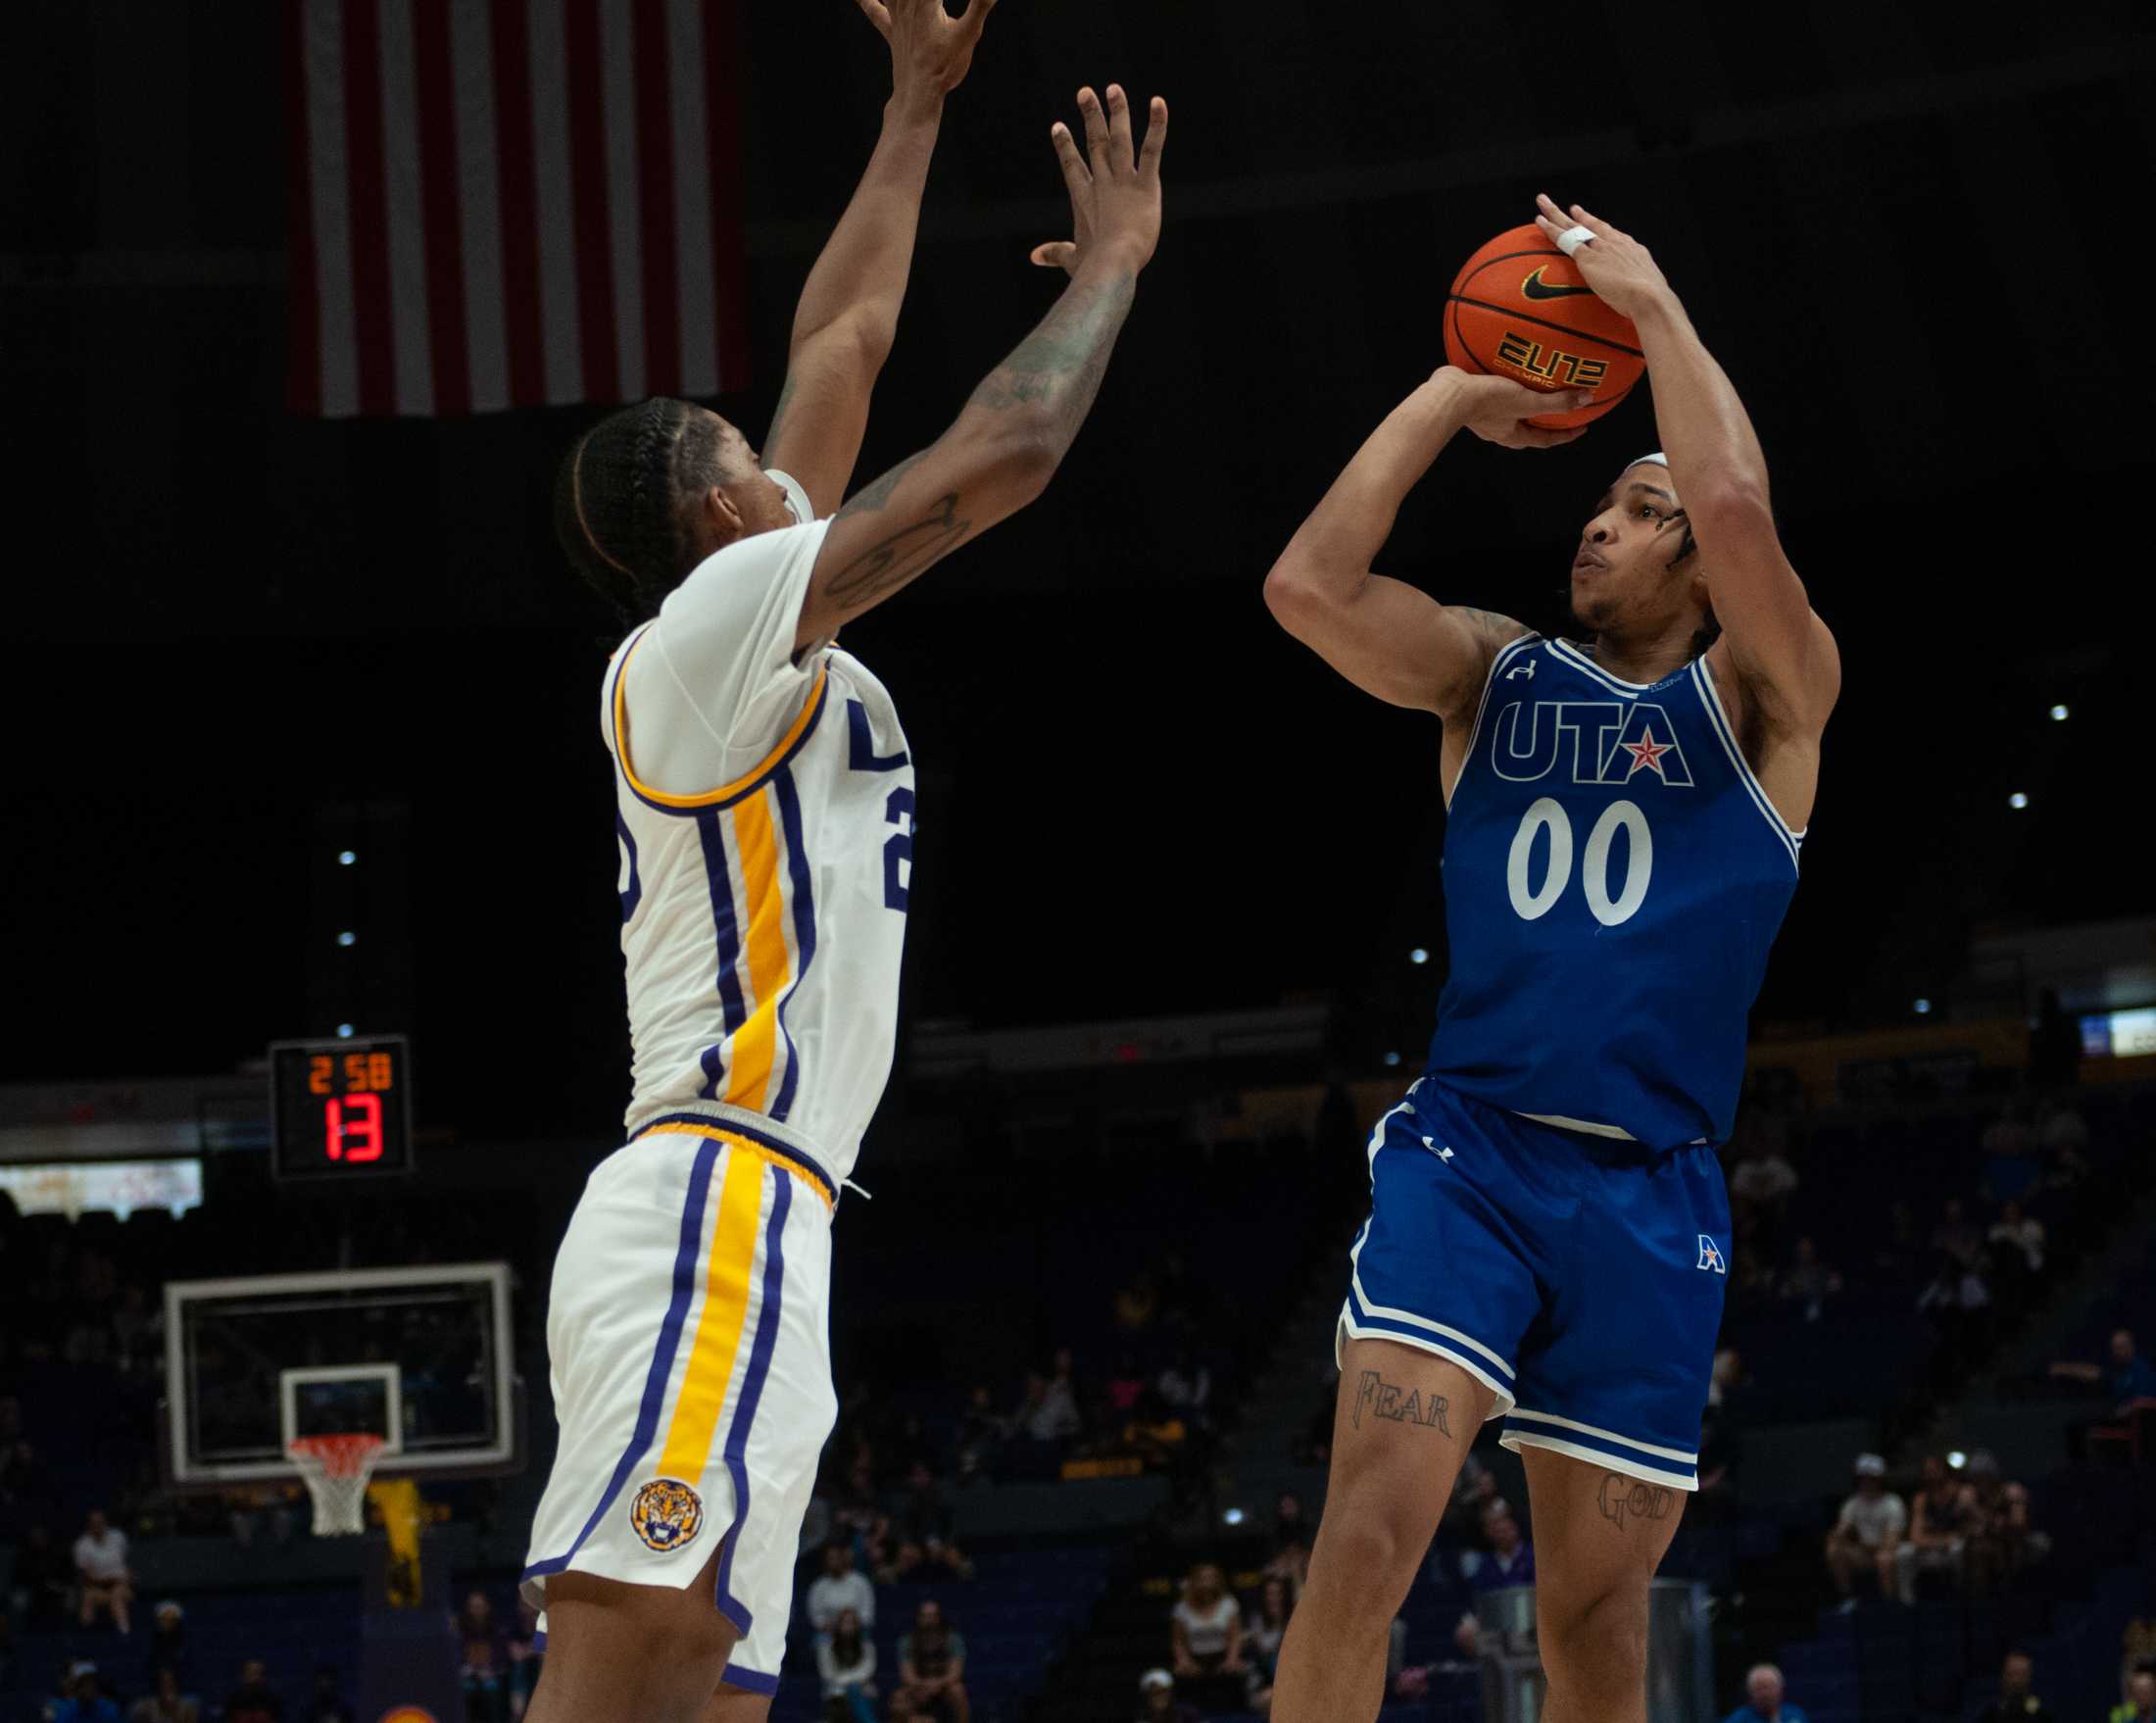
[(1055, 372), (893, 561), (778, 413), (1060, 366), (1401, 1404), (1625, 1499), (1501, 630), (870, 498)]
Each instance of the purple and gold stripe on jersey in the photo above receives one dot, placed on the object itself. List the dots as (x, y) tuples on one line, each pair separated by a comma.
[(763, 912), (726, 795), (784, 1156), (763, 918), (706, 1374)]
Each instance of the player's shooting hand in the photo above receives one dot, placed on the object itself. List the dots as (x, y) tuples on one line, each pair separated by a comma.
[(1621, 270), (931, 51), (1495, 409), (1114, 186)]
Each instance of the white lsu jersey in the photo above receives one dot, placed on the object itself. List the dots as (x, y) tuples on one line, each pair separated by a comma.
[(765, 818)]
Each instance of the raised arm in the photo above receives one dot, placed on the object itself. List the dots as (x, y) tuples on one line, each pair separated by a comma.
[(1020, 422), (1389, 638), (849, 310), (1782, 650)]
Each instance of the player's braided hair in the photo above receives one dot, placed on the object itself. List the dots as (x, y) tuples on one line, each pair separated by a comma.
[(621, 500)]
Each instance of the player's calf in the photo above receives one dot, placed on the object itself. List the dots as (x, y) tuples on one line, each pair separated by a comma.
[(1402, 1424)]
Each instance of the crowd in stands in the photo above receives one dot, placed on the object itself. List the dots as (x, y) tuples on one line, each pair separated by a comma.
[(2018, 1702), (1960, 1253), (1978, 1253), (1152, 1408), (929, 1680), (1967, 1524), (1222, 1652), (154, 1677), (86, 1693), (1152, 1404), (840, 1605)]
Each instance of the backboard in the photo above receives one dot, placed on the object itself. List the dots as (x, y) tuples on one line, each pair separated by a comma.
[(422, 1357)]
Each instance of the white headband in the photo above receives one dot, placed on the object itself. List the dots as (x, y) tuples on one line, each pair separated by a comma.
[(1661, 460)]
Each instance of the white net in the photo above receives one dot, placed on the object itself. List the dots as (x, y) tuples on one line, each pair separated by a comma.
[(336, 1470)]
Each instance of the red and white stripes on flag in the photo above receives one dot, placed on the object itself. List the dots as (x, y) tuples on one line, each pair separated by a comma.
[(512, 203)]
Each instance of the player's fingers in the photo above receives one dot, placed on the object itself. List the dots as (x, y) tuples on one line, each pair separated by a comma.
[(975, 14), (876, 14), (1057, 254), (1120, 154), (1073, 164), (1097, 128), (1156, 137), (1602, 228), (1554, 222)]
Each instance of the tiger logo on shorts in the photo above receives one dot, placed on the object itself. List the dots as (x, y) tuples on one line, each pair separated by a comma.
[(666, 1514)]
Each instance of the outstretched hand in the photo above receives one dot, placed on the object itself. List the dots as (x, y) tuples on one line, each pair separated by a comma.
[(1115, 187), (1621, 270), (931, 51)]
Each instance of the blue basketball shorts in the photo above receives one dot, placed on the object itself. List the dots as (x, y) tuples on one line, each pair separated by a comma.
[(1577, 1278)]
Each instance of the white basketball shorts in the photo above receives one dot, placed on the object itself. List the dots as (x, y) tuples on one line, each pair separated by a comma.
[(689, 1351)]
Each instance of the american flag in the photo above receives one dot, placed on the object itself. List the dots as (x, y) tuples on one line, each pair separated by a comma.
[(511, 203)]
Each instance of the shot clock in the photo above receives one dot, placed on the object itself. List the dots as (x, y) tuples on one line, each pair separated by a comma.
[(340, 1109)]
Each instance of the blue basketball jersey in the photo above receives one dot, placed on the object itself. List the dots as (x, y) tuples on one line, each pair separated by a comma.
[(1614, 876)]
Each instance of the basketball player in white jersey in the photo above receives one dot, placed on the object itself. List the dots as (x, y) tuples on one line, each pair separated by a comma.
[(765, 807)]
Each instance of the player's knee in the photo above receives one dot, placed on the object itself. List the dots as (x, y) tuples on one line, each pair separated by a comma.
[(1366, 1559), (1600, 1636), (669, 1643)]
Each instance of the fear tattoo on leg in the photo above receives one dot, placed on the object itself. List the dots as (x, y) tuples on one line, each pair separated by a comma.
[(1624, 1500), (1401, 1405)]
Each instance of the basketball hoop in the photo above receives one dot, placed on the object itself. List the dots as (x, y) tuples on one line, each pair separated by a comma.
[(336, 1470)]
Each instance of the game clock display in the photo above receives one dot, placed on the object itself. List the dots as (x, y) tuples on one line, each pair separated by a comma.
[(340, 1108)]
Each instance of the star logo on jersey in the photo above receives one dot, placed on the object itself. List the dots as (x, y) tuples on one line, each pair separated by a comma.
[(1589, 741), (1646, 753), (1710, 1256)]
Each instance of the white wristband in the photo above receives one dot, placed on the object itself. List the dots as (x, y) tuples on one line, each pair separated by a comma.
[(1572, 239)]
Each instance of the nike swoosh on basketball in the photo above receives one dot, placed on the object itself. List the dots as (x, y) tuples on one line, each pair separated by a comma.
[(1534, 287)]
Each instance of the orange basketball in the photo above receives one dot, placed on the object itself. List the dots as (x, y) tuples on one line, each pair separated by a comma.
[(1520, 309)]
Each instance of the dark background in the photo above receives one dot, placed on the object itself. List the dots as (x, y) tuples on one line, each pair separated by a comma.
[(239, 641)]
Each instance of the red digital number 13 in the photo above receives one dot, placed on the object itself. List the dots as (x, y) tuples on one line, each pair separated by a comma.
[(357, 1135)]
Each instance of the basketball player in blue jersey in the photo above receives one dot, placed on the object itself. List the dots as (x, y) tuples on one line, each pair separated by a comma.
[(1549, 1238), (764, 807)]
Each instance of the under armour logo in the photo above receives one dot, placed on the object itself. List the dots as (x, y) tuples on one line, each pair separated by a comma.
[(1710, 1256), (1442, 1153), (1525, 667)]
